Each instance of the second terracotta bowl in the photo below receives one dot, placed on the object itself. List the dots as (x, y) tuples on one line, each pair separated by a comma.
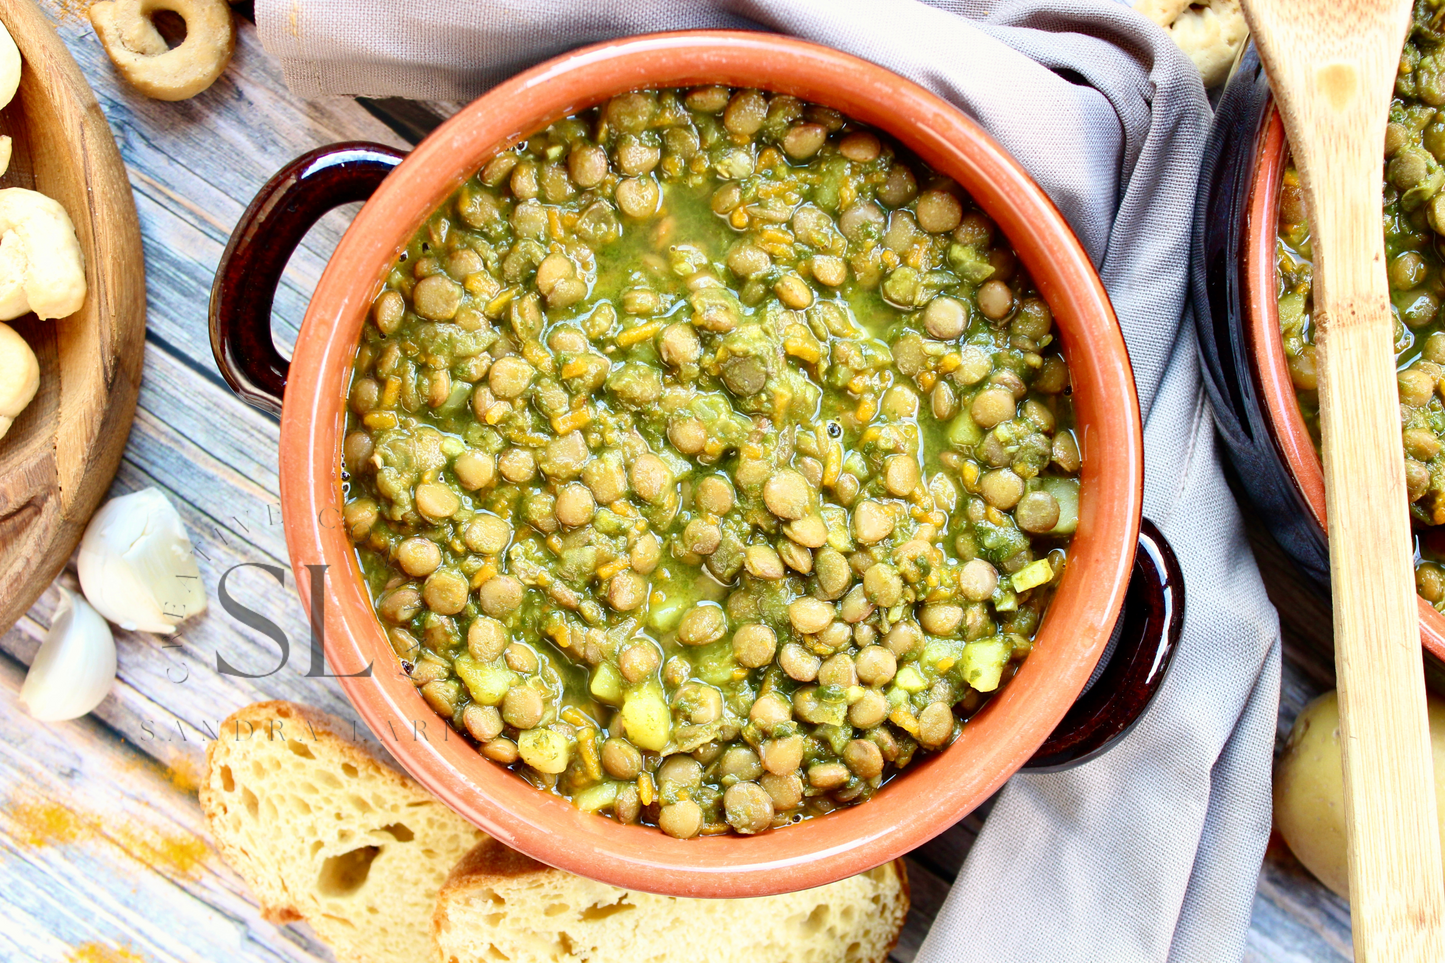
[(1236, 280), (929, 796)]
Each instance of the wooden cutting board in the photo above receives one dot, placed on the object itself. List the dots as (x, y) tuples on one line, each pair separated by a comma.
[(62, 452)]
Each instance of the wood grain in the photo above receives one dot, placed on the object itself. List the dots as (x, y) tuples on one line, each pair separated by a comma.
[(96, 838), (193, 167), (1332, 67), (59, 457)]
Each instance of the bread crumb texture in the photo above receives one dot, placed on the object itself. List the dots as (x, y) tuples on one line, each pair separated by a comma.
[(322, 831), (499, 905)]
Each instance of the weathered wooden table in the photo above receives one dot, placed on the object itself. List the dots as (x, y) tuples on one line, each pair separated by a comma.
[(103, 852)]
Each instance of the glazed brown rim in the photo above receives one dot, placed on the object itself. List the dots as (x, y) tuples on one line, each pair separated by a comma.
[(1271, 368), (931, 795)]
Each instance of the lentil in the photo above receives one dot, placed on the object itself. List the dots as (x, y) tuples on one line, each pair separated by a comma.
[(689, 450)]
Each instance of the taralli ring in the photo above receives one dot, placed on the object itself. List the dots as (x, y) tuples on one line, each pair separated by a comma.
[(9, 83), (19, 376), (141, 55), (42, 268), (1210, 32)]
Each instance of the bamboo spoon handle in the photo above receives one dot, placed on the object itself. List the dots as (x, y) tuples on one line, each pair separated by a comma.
[(1332, 65)]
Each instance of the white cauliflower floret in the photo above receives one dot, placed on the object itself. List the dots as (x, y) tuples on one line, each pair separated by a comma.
[(19, 376), (41, 265), (1211, 33)]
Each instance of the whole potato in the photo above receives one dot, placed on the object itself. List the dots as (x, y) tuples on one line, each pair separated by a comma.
[(1309, 788)]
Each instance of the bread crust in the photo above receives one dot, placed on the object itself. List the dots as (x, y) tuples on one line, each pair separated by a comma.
[(487, 864), (901, 868), (275, 908), (246, 739), (490, 863)]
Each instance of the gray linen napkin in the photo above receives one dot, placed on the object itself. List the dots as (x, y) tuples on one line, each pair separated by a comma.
[(1152, 851)]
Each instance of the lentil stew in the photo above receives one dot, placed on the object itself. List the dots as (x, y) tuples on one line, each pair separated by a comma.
[(708, 459)]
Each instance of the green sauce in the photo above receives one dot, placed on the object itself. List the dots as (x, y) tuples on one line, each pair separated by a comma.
[(709, 459)]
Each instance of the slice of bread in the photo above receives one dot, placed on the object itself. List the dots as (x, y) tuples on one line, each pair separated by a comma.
[(500, 905), (322, 831)]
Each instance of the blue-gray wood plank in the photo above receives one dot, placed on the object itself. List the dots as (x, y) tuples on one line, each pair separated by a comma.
[(101, 840)]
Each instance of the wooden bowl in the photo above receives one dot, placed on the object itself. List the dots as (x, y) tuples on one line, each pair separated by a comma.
[(59, 457)]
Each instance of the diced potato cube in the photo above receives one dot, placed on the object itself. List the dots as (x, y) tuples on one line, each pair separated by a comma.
[(488, 684), (607, 684), (909, 679), (1032, 575), (543, 750), (983, 661), (664, 617), (1066, 493), (941, 652), (646, 718), (963, 431), (598, 797)]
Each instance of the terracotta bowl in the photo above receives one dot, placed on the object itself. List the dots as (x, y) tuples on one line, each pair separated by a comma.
[(1236, 235), (929, 796)]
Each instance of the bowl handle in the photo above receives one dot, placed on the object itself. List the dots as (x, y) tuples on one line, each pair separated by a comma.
[(263, 241), (1152, 619)]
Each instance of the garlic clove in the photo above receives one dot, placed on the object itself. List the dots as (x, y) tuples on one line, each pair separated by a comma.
[(75, 666), (136, 565)]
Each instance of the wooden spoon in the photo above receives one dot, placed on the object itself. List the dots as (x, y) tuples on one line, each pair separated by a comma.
[(1332, 64)]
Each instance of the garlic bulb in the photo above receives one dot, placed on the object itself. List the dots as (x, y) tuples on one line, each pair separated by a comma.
[(75, 666), (136, 565)]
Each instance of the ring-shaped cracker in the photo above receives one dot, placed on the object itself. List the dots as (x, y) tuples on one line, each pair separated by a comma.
[(9, 83), (140, 53)]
